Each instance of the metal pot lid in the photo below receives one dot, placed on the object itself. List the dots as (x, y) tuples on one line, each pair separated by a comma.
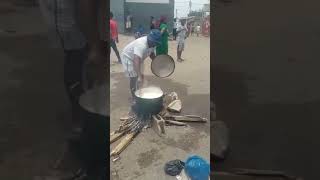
[(162, 66), (96, 100), (149, 93)]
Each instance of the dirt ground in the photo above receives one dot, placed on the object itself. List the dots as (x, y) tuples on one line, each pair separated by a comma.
[(145, 157)]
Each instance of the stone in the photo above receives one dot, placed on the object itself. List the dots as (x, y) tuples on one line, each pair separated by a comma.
[(175, 106)]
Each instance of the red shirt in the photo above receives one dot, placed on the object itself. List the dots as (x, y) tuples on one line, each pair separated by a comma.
[(113, 29)]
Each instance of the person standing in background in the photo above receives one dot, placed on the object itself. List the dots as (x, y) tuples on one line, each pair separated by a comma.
[(152, 23), (174, 31), (157, 24), (181, 36), (189, 29), (192, 29), (129, 23), (163, 48), (114, 36), (198, 30)]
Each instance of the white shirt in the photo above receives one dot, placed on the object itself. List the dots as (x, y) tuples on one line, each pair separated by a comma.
[(198, 28), (182, 34), (129, 18), (138, 47)]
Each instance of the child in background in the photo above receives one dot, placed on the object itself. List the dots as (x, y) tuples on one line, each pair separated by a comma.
[(182, 32)]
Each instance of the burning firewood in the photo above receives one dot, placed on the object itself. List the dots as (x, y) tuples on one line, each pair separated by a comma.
[(187, 118), (123, 144), (124, 118), (177, 123), (114, 136)]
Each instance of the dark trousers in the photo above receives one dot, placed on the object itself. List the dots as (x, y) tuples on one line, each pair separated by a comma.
[(174, 32), (74, 72), (113, 44)]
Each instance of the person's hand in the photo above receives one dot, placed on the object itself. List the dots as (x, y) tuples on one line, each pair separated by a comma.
[(117, 40), (140, 81)]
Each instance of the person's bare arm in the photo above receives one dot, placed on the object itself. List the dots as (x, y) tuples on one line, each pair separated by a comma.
[(137, 65), (90, 13), (152, 56)]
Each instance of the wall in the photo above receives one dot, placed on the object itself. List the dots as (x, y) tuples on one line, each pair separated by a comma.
[(117, 8), (141, 13)]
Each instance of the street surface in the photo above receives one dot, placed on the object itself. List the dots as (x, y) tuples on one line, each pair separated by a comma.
[(145, 157)]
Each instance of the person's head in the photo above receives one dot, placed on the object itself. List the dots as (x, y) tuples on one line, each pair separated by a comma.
[(151, 17), (163, 19), (154, 38), (111, 15), (183, 22)]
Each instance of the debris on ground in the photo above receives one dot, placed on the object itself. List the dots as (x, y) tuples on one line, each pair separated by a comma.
[(197, 168), (182, 176), (174, 167)]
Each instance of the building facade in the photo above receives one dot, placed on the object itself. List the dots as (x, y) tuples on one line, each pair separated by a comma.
[(141, 12)]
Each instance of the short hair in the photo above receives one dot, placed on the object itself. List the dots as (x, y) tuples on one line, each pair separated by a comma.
[(111, 15)]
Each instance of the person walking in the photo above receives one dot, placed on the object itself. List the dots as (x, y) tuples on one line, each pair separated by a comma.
[(163, 48), (135, 53), (181, 36), (114, 36)]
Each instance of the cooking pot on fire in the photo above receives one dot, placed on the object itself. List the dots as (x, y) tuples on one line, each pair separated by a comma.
[(149, 100)]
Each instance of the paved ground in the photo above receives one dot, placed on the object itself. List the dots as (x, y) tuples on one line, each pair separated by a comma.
[(266, 79), (146, 156)]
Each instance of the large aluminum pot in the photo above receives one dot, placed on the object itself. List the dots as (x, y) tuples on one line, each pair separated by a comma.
[(149, 100)]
